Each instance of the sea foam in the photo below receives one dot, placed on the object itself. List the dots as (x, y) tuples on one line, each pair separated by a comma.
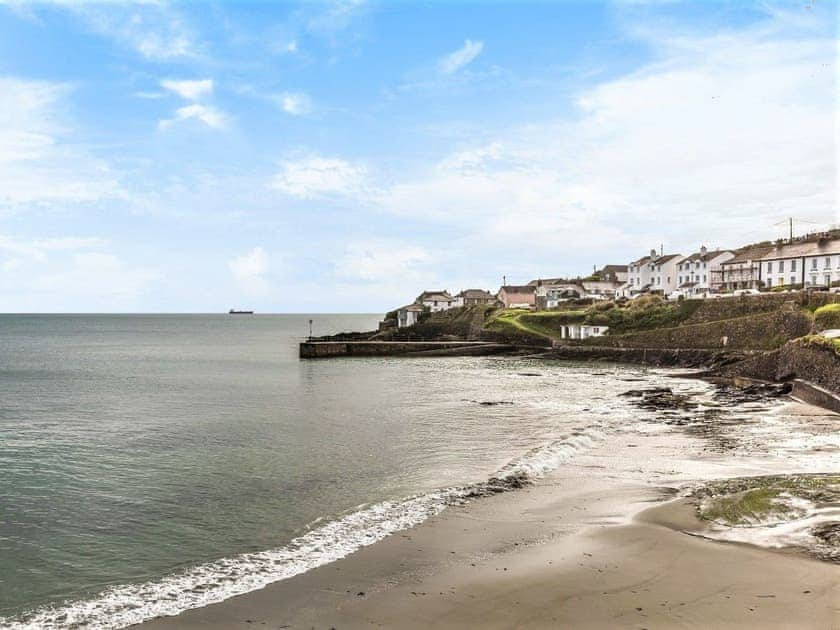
[(212, 582)]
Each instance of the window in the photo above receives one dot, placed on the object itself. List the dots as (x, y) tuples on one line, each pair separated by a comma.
[(793, 265), (769, 282), (781, 266), (769, 267), (793, 279), (827, 279), (813, 263), (704, 277), (668, 279)]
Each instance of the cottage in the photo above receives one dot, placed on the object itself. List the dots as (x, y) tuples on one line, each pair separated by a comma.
[(436, 300), (699, 273), (512, 296), (612, 273), (408, 315), (471, 297), (582, 331), (556, 294)]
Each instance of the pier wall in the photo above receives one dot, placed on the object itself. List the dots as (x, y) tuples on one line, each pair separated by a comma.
[(327, 349)]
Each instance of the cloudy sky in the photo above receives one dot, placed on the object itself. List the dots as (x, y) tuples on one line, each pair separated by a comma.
[(343, 156)]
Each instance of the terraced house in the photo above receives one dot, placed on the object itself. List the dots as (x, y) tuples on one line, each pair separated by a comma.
[(652, 274), (699, 273), (813, 263)]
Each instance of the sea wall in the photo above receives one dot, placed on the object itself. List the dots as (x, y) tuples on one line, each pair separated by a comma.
[(674, 357), (329, 349), (766, 331), (817, 365)]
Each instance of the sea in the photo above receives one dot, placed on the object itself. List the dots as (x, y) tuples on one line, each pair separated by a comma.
[(154, 463)]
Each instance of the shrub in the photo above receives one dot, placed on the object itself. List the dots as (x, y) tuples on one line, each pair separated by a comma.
[(827, 317)]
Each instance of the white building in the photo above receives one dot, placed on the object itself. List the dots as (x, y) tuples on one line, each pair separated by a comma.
[(553, 295), (654, 273), (743, 271), (811, 263), (582, 331), (436, 300), (699, 273), (408, 315)]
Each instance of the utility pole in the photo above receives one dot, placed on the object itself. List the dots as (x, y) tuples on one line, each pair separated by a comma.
[(504, 281)]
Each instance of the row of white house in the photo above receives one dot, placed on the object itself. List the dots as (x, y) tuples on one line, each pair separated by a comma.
[(809, 262)]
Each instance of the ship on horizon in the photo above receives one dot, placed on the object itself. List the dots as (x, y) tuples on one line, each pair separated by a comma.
[(234, 311)]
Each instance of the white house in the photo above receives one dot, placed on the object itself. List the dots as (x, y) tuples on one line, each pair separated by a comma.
[(436, 300), (582, 331), (809, 263), (556, 294), (743, 271), (408, 315), (652, 273), (699, 273)]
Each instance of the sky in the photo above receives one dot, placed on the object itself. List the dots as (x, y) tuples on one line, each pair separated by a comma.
[(344, 155)]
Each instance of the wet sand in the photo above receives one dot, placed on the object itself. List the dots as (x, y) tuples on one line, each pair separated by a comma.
[(593, 546)]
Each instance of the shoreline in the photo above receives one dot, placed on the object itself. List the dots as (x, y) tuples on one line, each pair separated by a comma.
[(581, 548)]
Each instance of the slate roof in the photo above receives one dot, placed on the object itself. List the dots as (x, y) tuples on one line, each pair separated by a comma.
[(797, 250)]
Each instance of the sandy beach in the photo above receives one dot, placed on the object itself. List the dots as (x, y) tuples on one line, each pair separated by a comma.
[(596, 544)]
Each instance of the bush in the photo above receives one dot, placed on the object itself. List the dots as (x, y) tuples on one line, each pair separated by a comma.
[(827, 317)]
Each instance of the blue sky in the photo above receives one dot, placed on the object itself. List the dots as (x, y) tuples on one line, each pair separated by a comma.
[(345, 155)]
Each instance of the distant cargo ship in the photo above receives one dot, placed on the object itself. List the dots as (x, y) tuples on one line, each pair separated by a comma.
[(233, 311)]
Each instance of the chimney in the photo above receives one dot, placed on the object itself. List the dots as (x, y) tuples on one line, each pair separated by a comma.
[(653, 253), (703, 250)]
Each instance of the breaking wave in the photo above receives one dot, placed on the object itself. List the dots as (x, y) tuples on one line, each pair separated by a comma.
[(212, 582)]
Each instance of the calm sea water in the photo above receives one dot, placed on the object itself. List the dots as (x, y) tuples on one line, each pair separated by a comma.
[(150, 464)]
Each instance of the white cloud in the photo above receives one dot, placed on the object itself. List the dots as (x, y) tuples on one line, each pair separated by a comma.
[(713, 142), (250, 271), (317, 176), (152, 28), (210, 116), (457, 59), (295, 103), (68, 274), (189, 89), (384, 259), (292, 47), (40, 159)]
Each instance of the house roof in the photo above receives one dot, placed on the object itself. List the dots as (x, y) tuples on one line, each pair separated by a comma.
[(613, 269), (706, 256), (475, 293), (440, 296), (749, 253), (512, 288), (539, 281), (411, 307), (687, 285), (642, 261), (665, 258), (795, 250)]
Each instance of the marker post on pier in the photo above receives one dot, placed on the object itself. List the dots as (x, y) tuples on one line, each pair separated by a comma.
[(310, 330)]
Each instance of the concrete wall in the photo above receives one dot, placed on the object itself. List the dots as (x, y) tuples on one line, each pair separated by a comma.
[(326, 349), (820, 366), (767, 331)]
